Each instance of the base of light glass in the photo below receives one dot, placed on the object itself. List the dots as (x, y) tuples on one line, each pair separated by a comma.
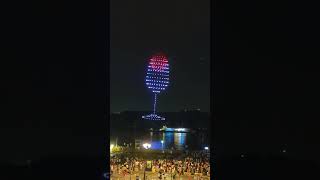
[(153, 117)]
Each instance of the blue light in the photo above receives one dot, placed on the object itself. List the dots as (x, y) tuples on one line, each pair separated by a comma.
[(156, 145), (157, 80)]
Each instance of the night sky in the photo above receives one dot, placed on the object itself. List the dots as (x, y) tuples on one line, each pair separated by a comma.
[(181, 29)]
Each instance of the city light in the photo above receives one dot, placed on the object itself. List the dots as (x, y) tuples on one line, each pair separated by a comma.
[(111, 147), (180, 129), (162, 145), (206, 148), (146, 145)]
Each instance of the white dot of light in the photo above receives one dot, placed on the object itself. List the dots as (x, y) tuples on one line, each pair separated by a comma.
[(206, 148)]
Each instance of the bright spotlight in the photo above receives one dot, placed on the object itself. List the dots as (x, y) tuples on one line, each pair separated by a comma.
[(162, 141), (111, 147), (146, 145), (206, 148)]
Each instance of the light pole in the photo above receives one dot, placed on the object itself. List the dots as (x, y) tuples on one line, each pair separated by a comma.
[(162, 145)]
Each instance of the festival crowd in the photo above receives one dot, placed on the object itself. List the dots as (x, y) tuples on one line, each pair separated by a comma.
[(194, 163)]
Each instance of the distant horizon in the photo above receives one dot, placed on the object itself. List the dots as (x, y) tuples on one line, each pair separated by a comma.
[(159, 111)]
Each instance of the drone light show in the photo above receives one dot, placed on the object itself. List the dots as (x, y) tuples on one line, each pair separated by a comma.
[(157, 80)]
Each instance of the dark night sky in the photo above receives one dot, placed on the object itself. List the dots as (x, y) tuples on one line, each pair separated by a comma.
[(182, 30)]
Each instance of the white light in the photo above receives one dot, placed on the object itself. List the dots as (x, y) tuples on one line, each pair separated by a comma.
[(146, 145), (180, 129), (206, 148), (162, 141), (111, 146)]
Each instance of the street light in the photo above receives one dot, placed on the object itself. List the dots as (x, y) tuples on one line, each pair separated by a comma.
[(162, 145)]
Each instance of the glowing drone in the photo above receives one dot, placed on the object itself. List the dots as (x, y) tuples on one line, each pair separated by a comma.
[(157, 80)]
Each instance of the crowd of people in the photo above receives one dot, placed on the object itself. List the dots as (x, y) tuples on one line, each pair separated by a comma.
[(192, 163)]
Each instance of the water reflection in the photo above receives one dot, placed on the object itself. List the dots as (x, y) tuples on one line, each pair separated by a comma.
[(171, 140), (168, 140), (180, 140)]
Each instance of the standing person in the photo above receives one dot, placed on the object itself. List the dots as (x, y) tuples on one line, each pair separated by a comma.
[(160, 174), (153, 169), (141, 165), (118, 169)]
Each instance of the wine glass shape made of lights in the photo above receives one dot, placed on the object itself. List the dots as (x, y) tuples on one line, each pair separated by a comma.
[(157, 78)]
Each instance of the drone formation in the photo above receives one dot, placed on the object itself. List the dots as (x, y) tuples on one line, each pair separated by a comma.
[(157, 80)]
